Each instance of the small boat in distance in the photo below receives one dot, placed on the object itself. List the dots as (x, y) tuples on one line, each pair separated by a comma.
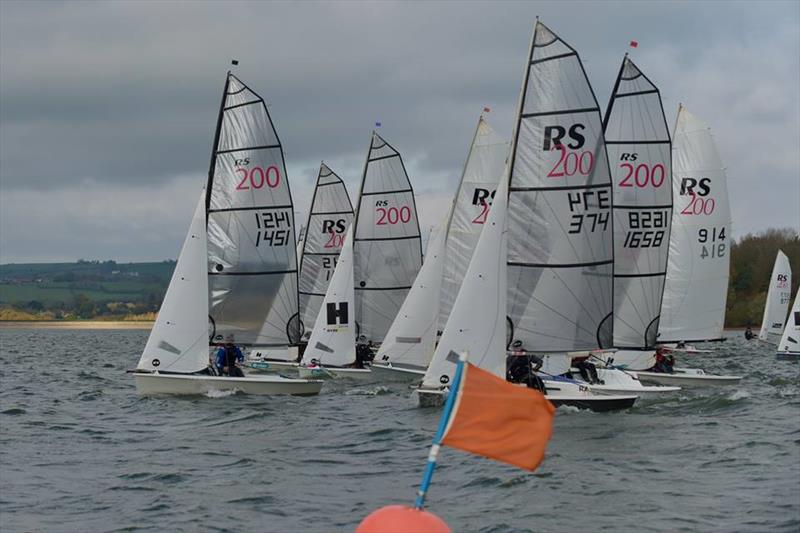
[(237, 272), (779, 295)]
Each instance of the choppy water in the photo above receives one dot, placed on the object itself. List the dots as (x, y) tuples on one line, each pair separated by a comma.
[(80, 451)]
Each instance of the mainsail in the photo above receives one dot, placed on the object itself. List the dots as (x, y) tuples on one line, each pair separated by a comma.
[(179, 339), (252, 261), (482, 171), (639, 152), (790, 340), (387, 244), (560, 242), (330, 215), (697, 270), (779, 294), (333, 340)]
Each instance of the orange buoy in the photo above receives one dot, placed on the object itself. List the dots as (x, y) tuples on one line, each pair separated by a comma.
[(402, 519)]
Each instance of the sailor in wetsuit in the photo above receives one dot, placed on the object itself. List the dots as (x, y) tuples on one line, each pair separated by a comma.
[(664, 363), (748, 334), (229, 359), (521, 367)]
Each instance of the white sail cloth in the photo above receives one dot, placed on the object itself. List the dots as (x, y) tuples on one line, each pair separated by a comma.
[(696, 289), (560, 242), (252, 261), (477, 321), (333, 340), (330, 215), (482, 172), (779, 295), (790, 340), (178, 341), (387, 243), (411, 339), (639, 152)]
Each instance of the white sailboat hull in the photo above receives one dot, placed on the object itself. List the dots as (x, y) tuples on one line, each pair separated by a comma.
[(787, 355), (188, 384), (388, 372), (558, 393), (620, 382), (323, 372), (687, 377)]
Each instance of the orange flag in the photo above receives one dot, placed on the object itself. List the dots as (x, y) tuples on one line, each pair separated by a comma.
[(499, 420)]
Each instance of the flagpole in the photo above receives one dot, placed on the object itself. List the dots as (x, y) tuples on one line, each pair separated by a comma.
[(437, 439)]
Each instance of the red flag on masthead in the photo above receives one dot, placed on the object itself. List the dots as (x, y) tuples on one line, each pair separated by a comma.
[(634, 44), (486, 109)]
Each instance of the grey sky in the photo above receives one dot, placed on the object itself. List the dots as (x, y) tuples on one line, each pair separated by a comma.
[(107, 110)]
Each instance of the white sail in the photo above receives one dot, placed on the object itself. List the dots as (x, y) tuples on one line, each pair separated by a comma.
[(779, 294), (790, 340), (178, 341), (482, 172), (639, 153), (560, 242), (330, 215), (387, 244), (252, 262), (477, 322), (333, 340), (300, 241), (697, 270), (412, 337)]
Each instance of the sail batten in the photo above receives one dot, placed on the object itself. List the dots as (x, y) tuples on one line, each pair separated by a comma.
[(252, 261), (330, 215), (387, 243)]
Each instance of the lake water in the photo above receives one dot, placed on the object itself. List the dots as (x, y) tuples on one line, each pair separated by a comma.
[(80, 451)]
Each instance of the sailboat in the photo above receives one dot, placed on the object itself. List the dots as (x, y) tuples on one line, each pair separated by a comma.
[(696, 289), (410, 343), (331, 349), (387, 246), (330, 215), (779, 295), (789, 345), (236, 273), (544, 256), (638, 147)]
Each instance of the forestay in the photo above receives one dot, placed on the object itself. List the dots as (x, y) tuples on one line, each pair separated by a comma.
[(387, 244), (412, 337), (333, 340), (179, 339), (639, 153), (790, 340), (482, 172), (252, 262), (560, 245), (477, 321), (779, 295), (330, 215), (697, 270)]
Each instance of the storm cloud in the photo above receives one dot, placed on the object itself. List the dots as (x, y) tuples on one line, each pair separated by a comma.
[(107, 110)]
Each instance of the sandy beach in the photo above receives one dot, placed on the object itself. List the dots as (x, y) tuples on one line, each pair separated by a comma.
[(75, 324)]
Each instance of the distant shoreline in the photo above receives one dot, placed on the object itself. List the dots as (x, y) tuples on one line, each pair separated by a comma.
[(76, 324)]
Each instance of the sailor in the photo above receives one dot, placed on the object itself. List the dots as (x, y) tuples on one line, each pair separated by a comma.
[(588, 371), (748, 333), (664, 363), (229, 359), (363, 354), (522, 367)]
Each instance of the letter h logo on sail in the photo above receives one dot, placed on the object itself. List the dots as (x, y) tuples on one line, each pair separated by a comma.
[(337, 314)]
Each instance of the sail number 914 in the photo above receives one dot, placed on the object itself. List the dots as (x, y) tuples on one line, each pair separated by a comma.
[(712, 241)]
